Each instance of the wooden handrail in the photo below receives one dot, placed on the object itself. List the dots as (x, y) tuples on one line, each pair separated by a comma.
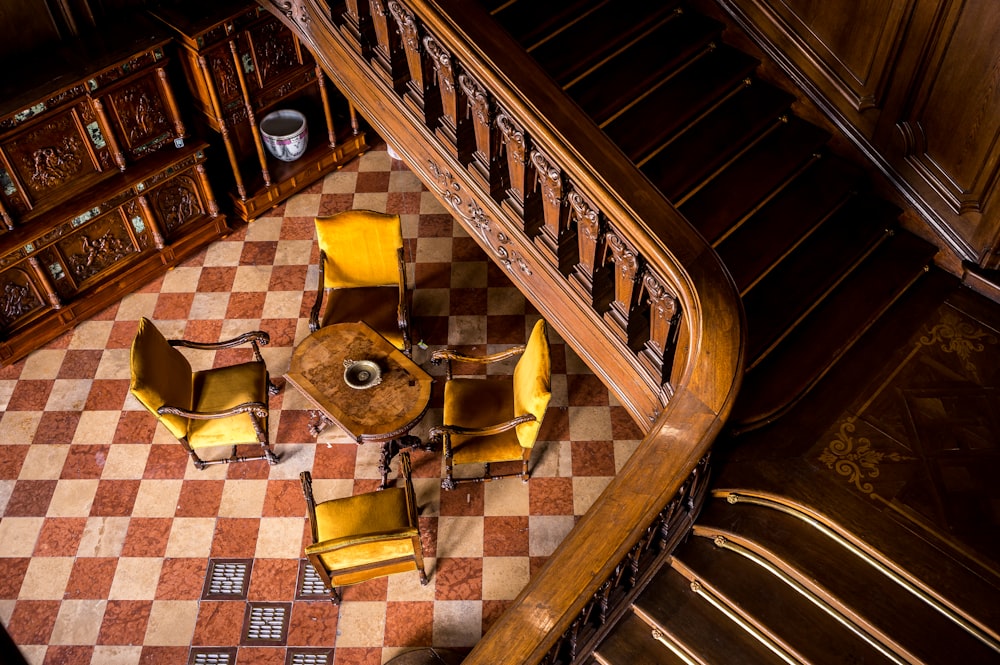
[(605, 258)]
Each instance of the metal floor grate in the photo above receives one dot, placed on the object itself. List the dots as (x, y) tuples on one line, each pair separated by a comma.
[(310, 586), (309, 657), (266, 623), (227, 579), (215, 656)]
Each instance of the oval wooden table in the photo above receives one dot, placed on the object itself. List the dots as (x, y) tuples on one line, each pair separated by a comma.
[(384, 413)]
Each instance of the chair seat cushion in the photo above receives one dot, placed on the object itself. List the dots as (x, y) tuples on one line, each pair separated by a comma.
[(476, 403), (378, 306), (223, 388), (361, 529)]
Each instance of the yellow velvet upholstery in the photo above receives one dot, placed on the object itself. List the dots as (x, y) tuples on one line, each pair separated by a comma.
[(223, 406), (496, 419), (365, 536), (363, 274)]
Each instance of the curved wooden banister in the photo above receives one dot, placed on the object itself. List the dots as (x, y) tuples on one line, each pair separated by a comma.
[(625, 280)]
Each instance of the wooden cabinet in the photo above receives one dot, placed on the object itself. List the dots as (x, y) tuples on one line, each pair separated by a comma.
[(915, 82), (241, 64), (101, 189)]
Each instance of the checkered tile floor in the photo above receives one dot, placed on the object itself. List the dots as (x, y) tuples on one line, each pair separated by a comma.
[(115, 550)]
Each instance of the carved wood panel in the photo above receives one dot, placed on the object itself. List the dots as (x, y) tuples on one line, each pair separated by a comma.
[(20, 296), (141, 117)]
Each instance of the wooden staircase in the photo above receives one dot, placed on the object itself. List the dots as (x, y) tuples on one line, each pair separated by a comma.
[(818, 259)]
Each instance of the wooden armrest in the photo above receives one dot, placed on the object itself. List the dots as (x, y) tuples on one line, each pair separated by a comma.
[(451, 354), (315, 311), (253, 337), (440, 430), (257, 408)]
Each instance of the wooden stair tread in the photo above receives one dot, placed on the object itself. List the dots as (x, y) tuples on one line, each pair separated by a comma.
[(826, 333), (595, 35), (529, 21), (774, 229), (630, 73), (667, 108), (775, 608), (859, 588), (631, 643), (756, 174), (790, 288), (712, 139), (692, 622)]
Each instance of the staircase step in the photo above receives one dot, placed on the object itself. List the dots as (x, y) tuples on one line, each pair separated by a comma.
[(794, 286), (530, 21), (636, 69), (754, 176), (688, 621), (761, 599), (773, 231), (644, 123), (594, 36), (712, 139), (632, 643), (782, 376), (851, 583)]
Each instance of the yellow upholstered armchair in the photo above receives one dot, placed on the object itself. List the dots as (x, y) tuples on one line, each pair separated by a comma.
[(495, 419), (362, 273), (222, 406), (364, 536)]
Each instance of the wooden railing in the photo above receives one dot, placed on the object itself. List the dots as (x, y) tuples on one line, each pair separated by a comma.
[(608, 262)]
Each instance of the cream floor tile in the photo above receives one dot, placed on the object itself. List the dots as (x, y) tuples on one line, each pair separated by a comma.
[(293, 253), (589, 423), (506, 497), (433, 250), (18, 535), (209, 306), (171, 623), (46, 578), (243, 498), (460, 536), (97, 427), (279, 538), (220, 254), (371, 201), (156, 497), (264, 229), (191, 537), (91, 334), (552, 459), (282, 304), (6, 488), (404, 181), (78, 622), (114, 654), (586, 489), (19, 427), (303, 205), (6, 390), (34, 654), (430, 205), (252, 278), (361, 624), (623, 450), (432, 302), (504, 576), (457, 623), (114, 364), (466, 330), (103, 536), (69, 394), (407, 586), (125, 462), (73, 498), (136, 578), (545, 532), (43, 462), (43, 364), (340, 182), (467, 274), (182, 279)]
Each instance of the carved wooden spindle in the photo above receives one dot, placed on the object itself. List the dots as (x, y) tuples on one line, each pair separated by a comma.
[(624, 314), (406, 23), (517, 178), (5, 217), (154, 226), (331, 129), (356, 24), (220, 120), (251, 118), (206, 187), (479, 112), (589, 276), (557, 237), (664, 320), (163, 81), (387, 52), (444, 76), (55, 302), (109, 136)]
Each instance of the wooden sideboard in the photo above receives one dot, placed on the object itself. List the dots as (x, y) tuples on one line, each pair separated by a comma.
[(240, 64), (101, 188)]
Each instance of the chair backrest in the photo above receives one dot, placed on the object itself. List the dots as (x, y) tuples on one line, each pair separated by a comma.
[(160, 375), (532, 384), (361, 248)]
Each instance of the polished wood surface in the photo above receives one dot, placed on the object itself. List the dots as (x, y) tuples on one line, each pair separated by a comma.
[(382, 412)]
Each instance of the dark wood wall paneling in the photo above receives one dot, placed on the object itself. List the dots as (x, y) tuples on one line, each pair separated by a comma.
[(29, 24), (917, 82)]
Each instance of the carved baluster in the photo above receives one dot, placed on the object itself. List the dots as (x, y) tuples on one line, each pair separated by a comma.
[(479, 111), (251, 119), (444, 77), (624, 314), (5, 217), (180, 133), (220, 120), (664, 320), (410, 34), (43, 277), (206, 188), (557, 237), (387, 52), (357, 26), (151, 221), (109, 136), (517, 180), (331, 130), (593, 281)]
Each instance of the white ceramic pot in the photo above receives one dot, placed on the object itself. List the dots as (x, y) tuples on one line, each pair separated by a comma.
[(285, 134)]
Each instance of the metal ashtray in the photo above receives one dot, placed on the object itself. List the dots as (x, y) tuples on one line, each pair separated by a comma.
[(362, 374)]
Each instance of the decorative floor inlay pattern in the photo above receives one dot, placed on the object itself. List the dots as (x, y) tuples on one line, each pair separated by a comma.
[(227, 579), (266, 623), (310, 586), (309, 657)]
